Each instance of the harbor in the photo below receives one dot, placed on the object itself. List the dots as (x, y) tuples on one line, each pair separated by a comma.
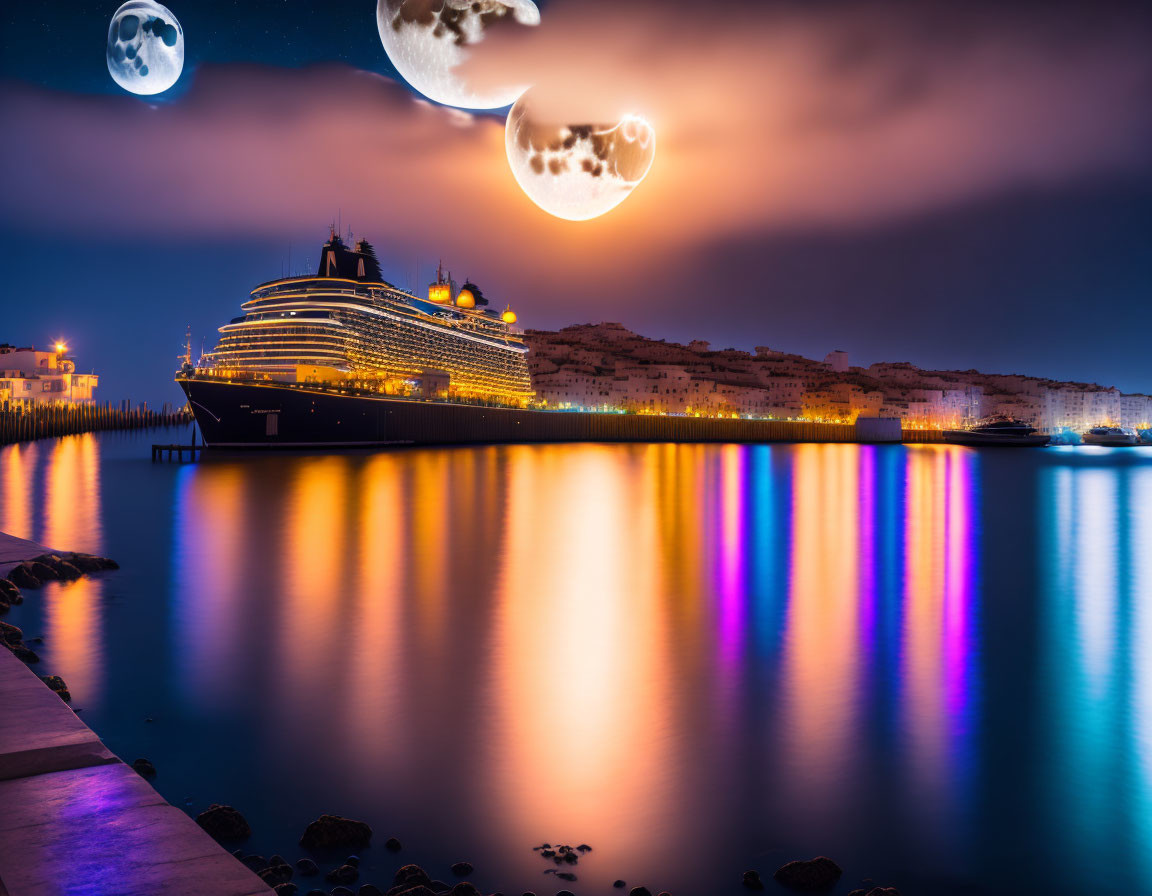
[(422, 610)]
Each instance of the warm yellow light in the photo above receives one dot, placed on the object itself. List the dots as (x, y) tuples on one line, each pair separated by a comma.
[(509, 316), (440, 293), (61, 348), (465, 299)]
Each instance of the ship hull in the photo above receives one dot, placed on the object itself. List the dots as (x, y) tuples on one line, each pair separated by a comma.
[(1117, 441), (993, 440), (244, 415)]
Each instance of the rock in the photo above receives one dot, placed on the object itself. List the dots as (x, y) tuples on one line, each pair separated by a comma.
[(462, 869), (9, 591), (316, 893), (56, 683), (10, 634), (411, 876), (417, 890), (89, 562), (369, 890), (224, 823), (619, 884), (334, 830), (752, 880), (876, 891), (22, 652), (464, 888), (639, 891), (584, 847), (277, 860), (21, 576), (345, 874), (239, 853), (275, 875), (145, 768), (255, 862), (392, 845), (84, 562), (286, 889), (307, 867), (42, 571), (565, 893), (342, 891), (566, 875), (354, 861), (820, 873), (4, 605), (61, 567)]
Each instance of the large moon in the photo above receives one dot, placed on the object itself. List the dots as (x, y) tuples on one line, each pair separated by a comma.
[(577, 171), (427, 39), (145, 47)]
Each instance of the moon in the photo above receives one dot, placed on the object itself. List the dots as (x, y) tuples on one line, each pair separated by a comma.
[(577, 171), (145, 47), (427, 39)]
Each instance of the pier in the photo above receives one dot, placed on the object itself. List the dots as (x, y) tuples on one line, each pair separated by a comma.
[(165, 452), (23, 423)]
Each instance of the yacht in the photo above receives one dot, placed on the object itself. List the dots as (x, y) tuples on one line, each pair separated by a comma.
[(1004, 432), (1110, 435)]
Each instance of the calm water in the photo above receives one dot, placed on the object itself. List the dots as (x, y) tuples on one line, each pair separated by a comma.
[(932, 664)]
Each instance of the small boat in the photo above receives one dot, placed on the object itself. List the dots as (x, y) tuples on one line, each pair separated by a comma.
[(1109, 435), (1003, 431)]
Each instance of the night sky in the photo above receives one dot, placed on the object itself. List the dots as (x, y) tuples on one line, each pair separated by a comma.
[(949, 184)]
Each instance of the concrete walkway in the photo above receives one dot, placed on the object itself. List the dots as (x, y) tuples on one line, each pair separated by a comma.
[(14, 551), (74, 819)]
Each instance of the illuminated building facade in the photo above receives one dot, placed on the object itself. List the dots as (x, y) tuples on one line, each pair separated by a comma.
[(43, 377), (347, 326), (606, 366)]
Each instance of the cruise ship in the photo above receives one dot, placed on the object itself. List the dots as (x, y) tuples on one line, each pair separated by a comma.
[(330, 358)]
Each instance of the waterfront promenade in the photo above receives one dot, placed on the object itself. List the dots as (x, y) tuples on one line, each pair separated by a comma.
[(77, 820)]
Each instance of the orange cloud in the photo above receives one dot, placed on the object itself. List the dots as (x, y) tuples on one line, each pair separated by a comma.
[(817, 119)]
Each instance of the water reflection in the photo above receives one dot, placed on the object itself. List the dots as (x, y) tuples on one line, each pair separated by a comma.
[(687, 655), (50, 493), (1097, 554), (938, 650), (612, 643)]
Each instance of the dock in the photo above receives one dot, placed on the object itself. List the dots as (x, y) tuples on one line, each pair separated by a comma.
[(159, 452)]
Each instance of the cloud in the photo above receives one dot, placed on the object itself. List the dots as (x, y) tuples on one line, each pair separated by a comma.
[(834, 114), (824, 117)]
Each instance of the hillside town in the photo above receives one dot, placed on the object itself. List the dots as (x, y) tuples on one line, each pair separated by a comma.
[(606, 366)]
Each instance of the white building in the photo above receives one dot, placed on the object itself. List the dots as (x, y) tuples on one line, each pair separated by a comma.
[(42, 377)]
